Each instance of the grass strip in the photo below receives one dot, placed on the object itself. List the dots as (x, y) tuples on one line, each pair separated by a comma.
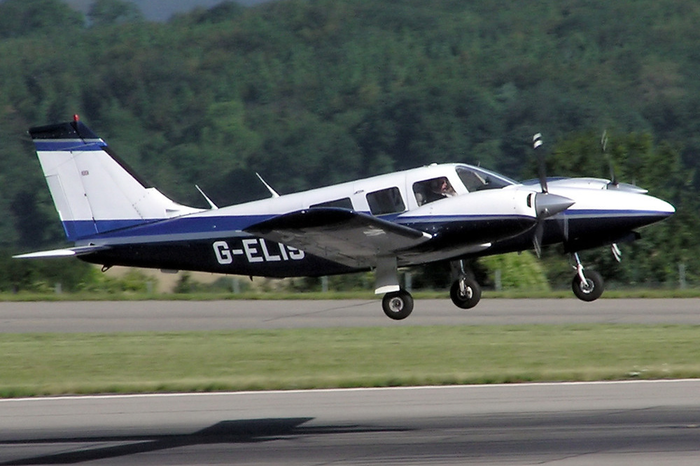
[(53, 364)]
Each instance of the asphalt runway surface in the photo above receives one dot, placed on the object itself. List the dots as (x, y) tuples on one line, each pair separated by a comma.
[(614, 424), (125, 316)]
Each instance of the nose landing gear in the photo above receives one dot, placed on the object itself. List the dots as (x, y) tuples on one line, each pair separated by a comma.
[(465, 292), (589, 286)]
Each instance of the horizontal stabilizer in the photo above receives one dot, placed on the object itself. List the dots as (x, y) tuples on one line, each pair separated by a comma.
[(340, 235), (68, 252)]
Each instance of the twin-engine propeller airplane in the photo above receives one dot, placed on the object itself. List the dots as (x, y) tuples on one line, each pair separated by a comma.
[(446, 212)]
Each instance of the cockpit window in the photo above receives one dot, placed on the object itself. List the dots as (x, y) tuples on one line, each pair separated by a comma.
[(478, 179), (432, 190)]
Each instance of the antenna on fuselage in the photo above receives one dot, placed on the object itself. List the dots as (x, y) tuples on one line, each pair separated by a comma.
[(269, 188), (209, 201)]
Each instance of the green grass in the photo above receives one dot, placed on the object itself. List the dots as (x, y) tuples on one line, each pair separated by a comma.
[(52, 364)]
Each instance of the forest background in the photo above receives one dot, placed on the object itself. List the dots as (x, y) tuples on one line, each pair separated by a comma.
[(310, 93)]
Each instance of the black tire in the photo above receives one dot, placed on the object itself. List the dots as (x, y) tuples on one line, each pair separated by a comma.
[(398, 305), (470, 297), (591, 290)]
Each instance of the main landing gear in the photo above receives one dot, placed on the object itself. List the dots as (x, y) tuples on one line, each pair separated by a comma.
[(398, 305), (465, 293)]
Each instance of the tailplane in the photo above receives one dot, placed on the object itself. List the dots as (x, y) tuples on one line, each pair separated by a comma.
[(93, 190)]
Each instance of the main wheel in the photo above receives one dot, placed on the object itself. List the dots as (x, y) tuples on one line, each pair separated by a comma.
[(398, 305), (465, 293), (591, 289)]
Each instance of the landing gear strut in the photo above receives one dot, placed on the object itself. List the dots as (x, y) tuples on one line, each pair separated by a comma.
[(589, 286), (465, 291), (398, 305)]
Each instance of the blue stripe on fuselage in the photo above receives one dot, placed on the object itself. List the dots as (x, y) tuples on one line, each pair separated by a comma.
[(412, 220), (592, 213), (85, 229), (175, 226), (54, 145)]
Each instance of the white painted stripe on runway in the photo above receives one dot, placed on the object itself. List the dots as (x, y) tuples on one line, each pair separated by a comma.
[(350, 390)]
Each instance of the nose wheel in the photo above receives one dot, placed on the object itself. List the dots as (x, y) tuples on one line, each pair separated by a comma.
[(465, 293), (589, 286)]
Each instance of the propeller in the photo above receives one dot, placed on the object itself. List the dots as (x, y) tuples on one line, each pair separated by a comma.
[(603, 149), (614, 183), (546, 204)]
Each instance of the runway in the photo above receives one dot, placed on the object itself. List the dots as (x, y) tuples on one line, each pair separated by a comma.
[(136, 316), (631, 423)]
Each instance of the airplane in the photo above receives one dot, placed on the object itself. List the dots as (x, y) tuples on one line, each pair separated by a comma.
[(436, 213)]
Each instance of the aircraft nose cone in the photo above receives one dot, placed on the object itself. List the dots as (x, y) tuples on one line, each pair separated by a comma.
[(665, 208), (548, 204), (657, 208)]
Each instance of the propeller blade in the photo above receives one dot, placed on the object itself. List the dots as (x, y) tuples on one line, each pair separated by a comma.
[(614, 182), (541, 172), (564, 227), (537, 238), (603, 149)]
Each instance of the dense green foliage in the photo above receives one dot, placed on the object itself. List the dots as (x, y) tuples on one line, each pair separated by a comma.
[(315, 92)]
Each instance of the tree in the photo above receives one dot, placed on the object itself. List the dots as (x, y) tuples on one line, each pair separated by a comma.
[(20, 18), (109, 12), (314, 92)]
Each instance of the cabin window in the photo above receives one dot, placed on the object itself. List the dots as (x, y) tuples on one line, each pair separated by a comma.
[(343, 203), (432, 190), (386, 201)]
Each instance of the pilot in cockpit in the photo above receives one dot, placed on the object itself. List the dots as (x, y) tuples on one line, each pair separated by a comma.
[(442, 187), (433, 190)]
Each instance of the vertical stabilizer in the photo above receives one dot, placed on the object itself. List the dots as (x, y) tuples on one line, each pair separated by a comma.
[(95, 192)]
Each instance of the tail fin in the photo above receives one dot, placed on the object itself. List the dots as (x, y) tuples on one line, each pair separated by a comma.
[(94, 192)]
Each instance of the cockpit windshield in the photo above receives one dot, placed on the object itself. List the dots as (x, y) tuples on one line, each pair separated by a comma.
[(478, 179)]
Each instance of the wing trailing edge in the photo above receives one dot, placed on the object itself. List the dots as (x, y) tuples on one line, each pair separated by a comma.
[(340, 235)]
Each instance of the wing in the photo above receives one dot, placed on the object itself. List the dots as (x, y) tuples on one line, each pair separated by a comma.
[(340, 235)]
